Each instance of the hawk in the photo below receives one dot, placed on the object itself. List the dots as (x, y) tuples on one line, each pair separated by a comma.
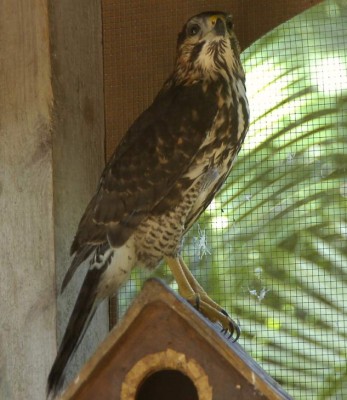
[(162, 176)]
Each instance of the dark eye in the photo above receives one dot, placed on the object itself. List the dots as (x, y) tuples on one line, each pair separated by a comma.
[(193, 30), (229, 24)]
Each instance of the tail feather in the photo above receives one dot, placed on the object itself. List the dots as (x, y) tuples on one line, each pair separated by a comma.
[(80, 256), (81, 316)]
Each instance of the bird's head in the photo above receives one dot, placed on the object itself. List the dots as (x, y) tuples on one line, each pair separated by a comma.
[(207, 49)]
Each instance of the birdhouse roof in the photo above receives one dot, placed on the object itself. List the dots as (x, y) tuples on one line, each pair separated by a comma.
[(162, 331)]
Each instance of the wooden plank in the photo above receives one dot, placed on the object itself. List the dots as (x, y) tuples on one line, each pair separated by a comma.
[(78, 144), (27, 308), (138, 61)]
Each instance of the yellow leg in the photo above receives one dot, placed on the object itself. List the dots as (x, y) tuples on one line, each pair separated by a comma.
[(198, 288), (192, 291), (184, 283)]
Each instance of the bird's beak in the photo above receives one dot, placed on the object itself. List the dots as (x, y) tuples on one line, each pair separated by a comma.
[(218, 25)]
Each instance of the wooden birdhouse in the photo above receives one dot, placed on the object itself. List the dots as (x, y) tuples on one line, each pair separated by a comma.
[(164, 349)]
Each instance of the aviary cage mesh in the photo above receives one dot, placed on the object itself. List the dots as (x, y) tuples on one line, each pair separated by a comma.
[(272, 247)]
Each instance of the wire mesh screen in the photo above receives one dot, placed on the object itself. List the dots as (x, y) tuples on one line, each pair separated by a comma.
[(271, 248)]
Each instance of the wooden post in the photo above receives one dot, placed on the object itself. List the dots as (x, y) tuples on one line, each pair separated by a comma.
[(51, 155), (27, 280), (78, 145)]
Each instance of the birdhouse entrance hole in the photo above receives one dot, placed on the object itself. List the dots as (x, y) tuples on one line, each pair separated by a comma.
[(167, 384), (168, 375)]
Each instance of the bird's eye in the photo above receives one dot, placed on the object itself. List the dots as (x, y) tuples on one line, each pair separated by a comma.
[(229, 24), (193, 30)]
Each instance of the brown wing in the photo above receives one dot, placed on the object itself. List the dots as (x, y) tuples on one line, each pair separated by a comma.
[(155, 152)]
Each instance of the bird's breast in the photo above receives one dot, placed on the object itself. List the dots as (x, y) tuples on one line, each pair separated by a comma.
[(160, 234)]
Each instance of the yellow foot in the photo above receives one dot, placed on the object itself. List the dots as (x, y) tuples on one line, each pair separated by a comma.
[(191, 290)]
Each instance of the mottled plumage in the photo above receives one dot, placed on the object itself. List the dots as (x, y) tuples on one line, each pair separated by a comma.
[(164, 173)]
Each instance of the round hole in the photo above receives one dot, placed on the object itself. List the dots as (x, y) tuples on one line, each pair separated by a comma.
[(167, 384)]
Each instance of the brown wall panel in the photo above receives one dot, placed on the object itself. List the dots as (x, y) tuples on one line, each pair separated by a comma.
[(140, 43)]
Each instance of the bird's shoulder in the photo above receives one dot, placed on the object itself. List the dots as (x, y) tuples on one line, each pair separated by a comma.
[(157, 149)]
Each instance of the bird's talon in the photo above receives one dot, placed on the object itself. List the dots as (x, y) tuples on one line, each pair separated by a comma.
[(197, 302), (224, 312), (233, 328)]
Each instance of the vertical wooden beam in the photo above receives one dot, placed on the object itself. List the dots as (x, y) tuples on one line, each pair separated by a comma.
[(51, 155), (78, 144), (27, 306)]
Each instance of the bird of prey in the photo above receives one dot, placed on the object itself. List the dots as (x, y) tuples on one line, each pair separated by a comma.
[(162, 176)]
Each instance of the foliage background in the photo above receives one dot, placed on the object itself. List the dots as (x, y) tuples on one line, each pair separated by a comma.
[(272, 246)]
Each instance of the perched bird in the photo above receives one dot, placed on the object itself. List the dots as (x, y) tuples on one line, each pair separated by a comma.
[(165, 172)]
